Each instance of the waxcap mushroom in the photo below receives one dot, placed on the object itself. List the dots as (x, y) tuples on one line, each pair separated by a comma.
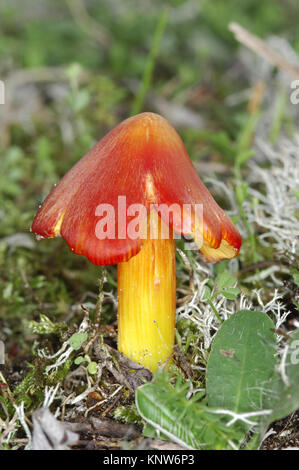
[(143, 159), (142, 164)]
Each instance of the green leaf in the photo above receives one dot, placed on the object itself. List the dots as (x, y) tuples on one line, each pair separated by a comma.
[(92, 368), (224, 280), (207, 294), (77, 339), (79, 360), (190, 423), (150, 64), (231, 293), (284, 396), (241, 362), (296, 277), (245, 138), (241, 193), (242, 157)]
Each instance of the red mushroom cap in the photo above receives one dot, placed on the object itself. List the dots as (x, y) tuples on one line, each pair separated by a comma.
[(143, 159)]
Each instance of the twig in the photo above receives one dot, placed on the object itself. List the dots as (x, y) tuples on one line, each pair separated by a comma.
[(99, 305), (99, 427), (118, 393), (262, 49)]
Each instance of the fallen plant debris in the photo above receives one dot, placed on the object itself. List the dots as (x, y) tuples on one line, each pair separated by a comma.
[(49, 433)]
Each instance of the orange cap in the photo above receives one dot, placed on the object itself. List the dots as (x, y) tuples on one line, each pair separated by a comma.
[(143, 159)]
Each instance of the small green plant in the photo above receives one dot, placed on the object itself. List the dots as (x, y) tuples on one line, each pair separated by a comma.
[(223, 285), (77, 339), (92, 366), (189, 422), (245, 389), (127, 414), (45, 326)]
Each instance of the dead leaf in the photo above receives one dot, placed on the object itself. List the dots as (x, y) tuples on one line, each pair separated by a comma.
[(49, 433)]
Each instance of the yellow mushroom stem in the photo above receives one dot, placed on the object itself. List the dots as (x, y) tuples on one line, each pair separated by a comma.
[(147, 299)]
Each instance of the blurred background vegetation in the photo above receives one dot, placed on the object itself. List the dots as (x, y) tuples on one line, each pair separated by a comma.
[(72, 70)]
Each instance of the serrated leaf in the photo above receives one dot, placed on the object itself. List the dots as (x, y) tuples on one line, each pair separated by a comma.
[(241, 362), (188, 422)]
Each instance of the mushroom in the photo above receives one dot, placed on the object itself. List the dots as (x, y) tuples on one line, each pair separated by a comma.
[(123, 203)]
